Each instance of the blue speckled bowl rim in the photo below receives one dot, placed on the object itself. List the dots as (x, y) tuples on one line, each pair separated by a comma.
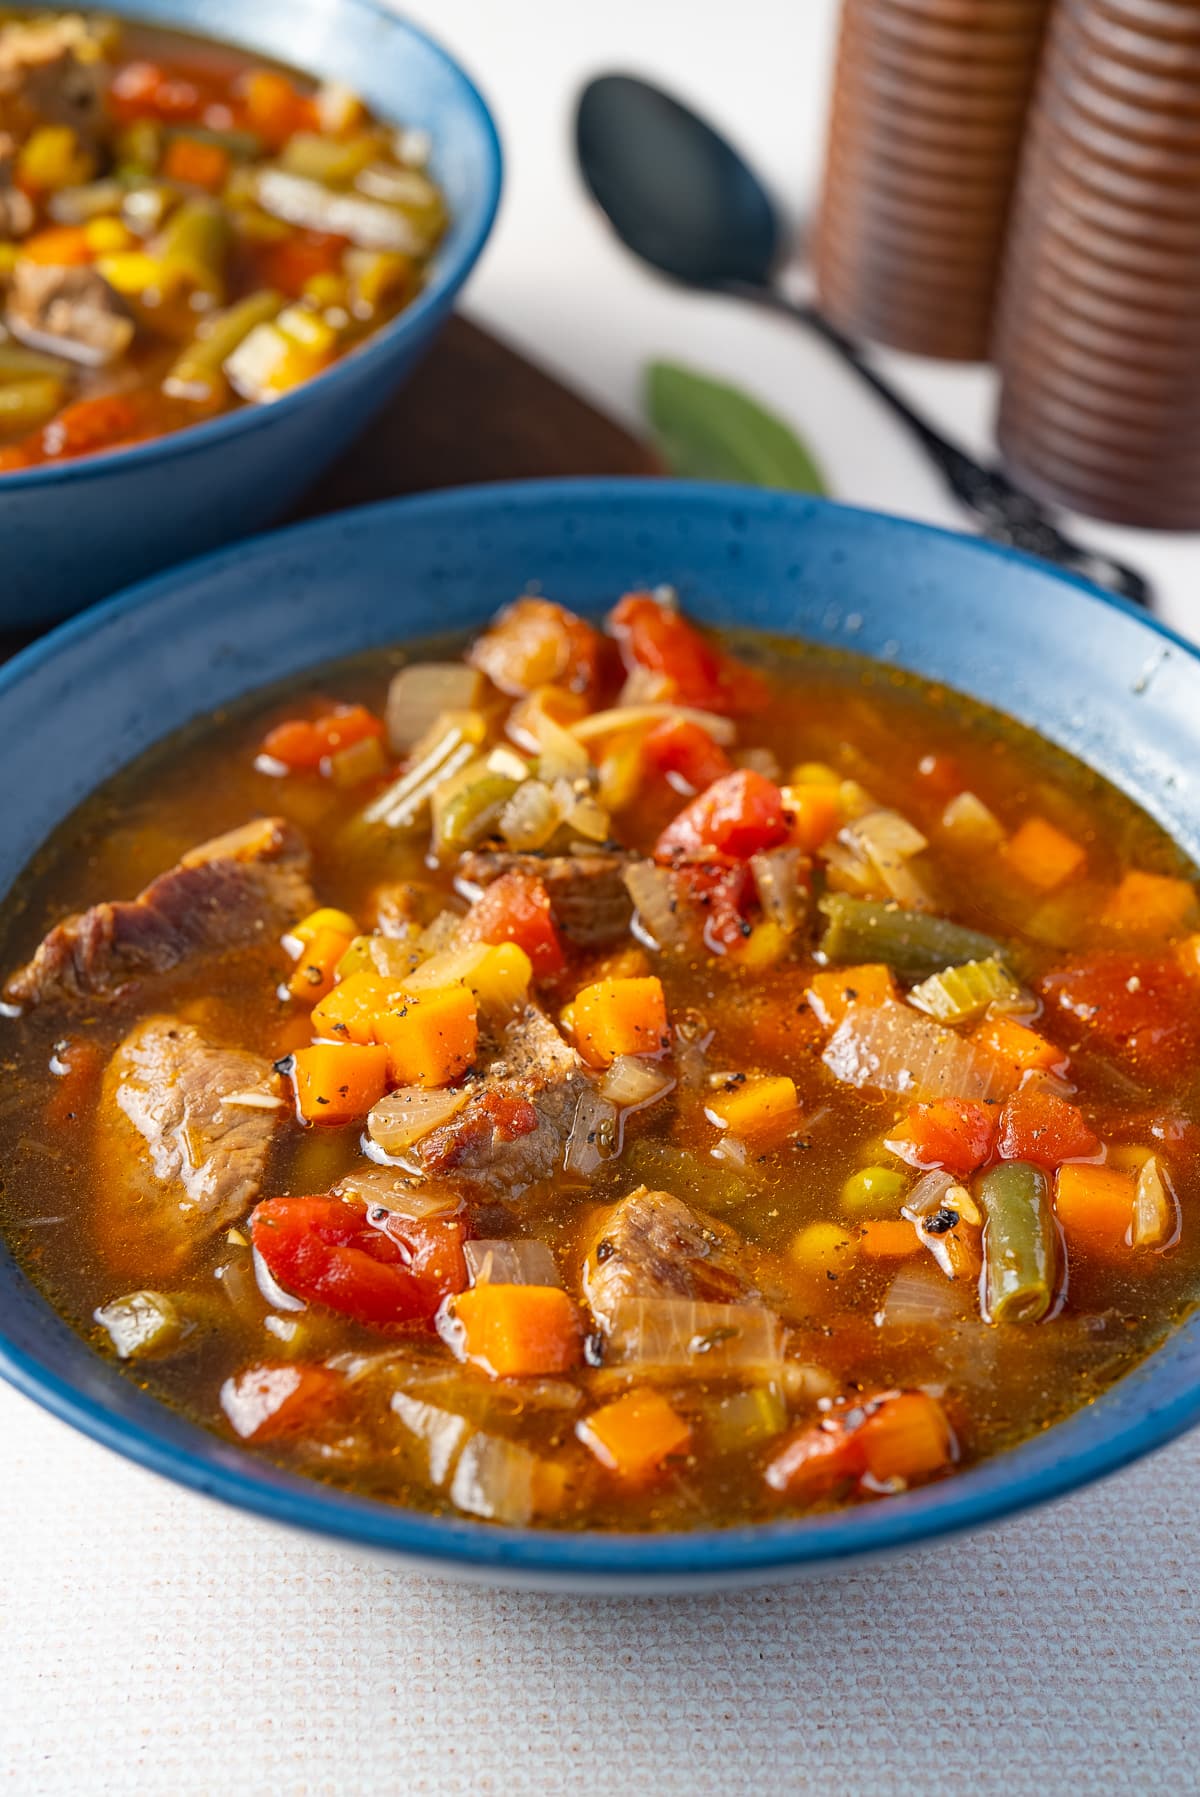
[(998, 1488), (447, 278)]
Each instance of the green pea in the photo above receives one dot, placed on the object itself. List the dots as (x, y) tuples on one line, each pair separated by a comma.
[(874, 1192)]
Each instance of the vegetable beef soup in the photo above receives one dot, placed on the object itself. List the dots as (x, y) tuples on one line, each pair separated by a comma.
[(183, 230), (610, 1077)]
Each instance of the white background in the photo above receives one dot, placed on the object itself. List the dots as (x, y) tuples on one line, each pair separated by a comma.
[(150, 1642)]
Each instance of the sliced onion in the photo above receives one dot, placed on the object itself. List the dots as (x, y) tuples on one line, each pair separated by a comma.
[(533, 727), (652, 890), (1155, 1208), (639, 717), (896, 1049), (511, 1263), (398, 1194), (440, 936), (588, 818), (442, 1432), (495, 1478), (409, 1113), (363, 760), (420, 692), (595, 1134), (677, 1336), (928, 1195), (848, 871), (969, 822), (921, 1297), (632, 1082), (777, 877), (270, 1287), (888, 842), (530, 817)]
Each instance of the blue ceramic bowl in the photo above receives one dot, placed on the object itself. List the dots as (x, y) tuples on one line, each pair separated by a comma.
[(1087, 671), (77, 531)]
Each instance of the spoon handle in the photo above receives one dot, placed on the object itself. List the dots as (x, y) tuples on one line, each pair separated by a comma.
[(1005, 513)]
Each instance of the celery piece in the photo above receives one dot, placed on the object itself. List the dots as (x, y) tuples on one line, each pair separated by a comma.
[(371, 224), (912, 943), (1020, 1243), (960, 994), (745, 1419), (95, 199), (471, 811), (198, 371), (139, 146), (20, 364), (142, 1324), (331, 160)]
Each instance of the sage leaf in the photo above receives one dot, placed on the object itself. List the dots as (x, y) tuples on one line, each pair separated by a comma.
[(707, 430)]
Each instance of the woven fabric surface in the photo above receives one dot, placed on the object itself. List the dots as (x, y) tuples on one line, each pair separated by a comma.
[(151, 1641)]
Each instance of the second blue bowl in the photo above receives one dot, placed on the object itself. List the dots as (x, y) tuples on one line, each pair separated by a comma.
[(74, 531)]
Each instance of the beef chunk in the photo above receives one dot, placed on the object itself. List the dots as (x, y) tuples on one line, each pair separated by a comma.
[(51, 73), (181, 1159), (228, 893), (514, 1127), (16, 209), (588, 899), (651, 1245), (70, 312)]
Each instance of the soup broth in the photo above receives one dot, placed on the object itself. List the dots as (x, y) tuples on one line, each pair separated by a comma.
[(698, 1079)]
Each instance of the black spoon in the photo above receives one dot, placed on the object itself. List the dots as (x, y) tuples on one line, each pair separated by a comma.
[(680, 197)]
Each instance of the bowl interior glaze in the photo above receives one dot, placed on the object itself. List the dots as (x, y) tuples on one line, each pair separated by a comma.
[(1088, 672)]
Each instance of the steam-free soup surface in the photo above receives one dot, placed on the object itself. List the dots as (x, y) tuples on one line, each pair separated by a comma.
[(616, 1078)]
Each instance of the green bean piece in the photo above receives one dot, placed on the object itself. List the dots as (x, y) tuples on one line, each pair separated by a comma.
[(26, 404), (20, 364), (910, 942), (239, 146), (1020, 1243), (195, 244), (139, 147), (197, 372)]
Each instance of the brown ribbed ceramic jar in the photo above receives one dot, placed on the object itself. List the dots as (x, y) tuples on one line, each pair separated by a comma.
[(1098, 330), (929, 105)]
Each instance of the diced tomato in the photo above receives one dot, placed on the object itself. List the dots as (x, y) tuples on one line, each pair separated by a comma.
[(653, 637), (264, 1403), (724, 892), (288, 265), (1142, 1008), (142, 90), (1040, 1126), (814, 1460), (78, 1063), (346, 725), (516, 908), (955, 1133), (92, 424), (739, 815), (894, 1435), (325, 1251), (509, 1116), (274, 107), (685, 754), (940, 775)]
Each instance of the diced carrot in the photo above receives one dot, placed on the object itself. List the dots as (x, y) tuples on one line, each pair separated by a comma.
[(431, 1037), (1149, 904), (1095, 1205), (59, 246), (197, 163), (264, 1403), (338, 1082), (954, 1133), (907, 1437), (295, 743), (756, 1109), (831, 994), (313, 975), (91, 424), (1019, 1046), (1043, 855), (516, 908), (290, 263), (635, 1435), (145, 90), (344, 726), (78, 1062), (348, 1013), (516, 1331), (810, 1462), (887, 1238), (1040, 1126), (815, 813), (274, 107), (620, 1017), (940, 775)]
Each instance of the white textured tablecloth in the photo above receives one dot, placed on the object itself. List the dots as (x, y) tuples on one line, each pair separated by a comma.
[(152, 1642)]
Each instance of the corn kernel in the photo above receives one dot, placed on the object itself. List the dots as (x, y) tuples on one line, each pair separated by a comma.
[(131, 271), (108, 236)]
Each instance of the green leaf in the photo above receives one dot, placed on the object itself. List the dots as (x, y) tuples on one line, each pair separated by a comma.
[(706, 430)]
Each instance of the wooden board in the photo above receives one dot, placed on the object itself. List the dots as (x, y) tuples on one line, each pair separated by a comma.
[(475, 410)]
